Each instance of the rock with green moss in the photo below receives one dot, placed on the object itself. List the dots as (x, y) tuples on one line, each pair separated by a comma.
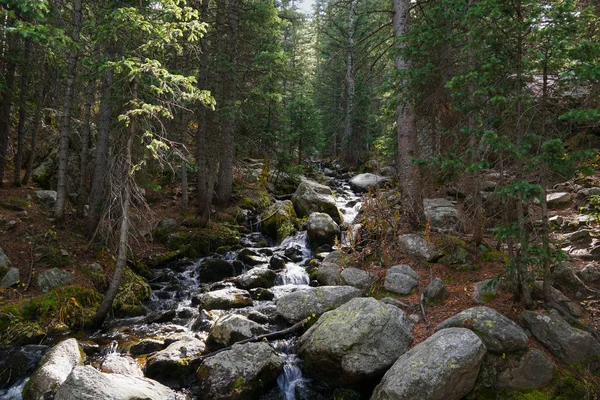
[(357, 277), (279, 220), (224, 299), (215, 269), (311, 301), (524, 369), (498, 333), (435, 292), (571, 345), (356, 343), (313, 197), (133, 291), (485, 291), (241, 373), (251, 257), (206, 240), (445, 366), (258, 277), (55, 367), (231, 329), (173, 363)]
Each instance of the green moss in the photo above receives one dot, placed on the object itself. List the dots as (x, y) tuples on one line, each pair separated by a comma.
[(55, 257), (167, 258), (345, 394), (133, 291), (207, 240)]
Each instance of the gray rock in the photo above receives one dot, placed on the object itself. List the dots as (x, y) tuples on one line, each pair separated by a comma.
[(572, 346), (388, 171), (251, 257), (173, 363), (587, 192), (11, 278), (240, 373), (565, 277), (330, 274), (4, 260), (55, 367), (276, 262), (88, 383), (529, 370), (484, 291), (147, 346), (302, 303), (357, 278), (435, 292), (322, 229), (313, 197), (115, 363), (54, 278), (215, 269), (394, 302), (441, 212), (558, 200), (581, 238), (257, 277), (590, 274), (231, 329), (414, 245), (401, 279), (225, 299), (356, 342), (169, 224), (414, 319), (557, 297), (364, 182), (445, 366), (498, 333), (46, 197)]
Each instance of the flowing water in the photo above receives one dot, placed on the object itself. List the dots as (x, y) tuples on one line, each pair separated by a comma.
[(174, 288)]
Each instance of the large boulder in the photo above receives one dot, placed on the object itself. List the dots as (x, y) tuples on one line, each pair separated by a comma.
[(54, 278), (240, 373), (445, 366), (401, 279), (173, 363), (88, 383), (231, 329), (46, 197), (305, 302), (590, 274), (11, 278), (259, 277), (441, 212), (524, 369), (356, 342), (215, 269), (17, 363), (329, 274), (565, 277), (252, 258), (116, 363), (55, 367), (364, 182), (278, 220), (225, 299), (498, 333), (571, 345), (414, 245), (558, 200), (322, 229), (313, 197)]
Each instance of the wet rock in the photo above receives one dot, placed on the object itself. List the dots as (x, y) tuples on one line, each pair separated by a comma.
[(330, 274), (251, 257), (203, 322), (572, 346), (414, 245), (498, 333), (484, 291), (11, 278), (256, 278), (276, 263), (161, 318), (258, 317), (313, 197), (590, 274), (46, 197), (115, 363), (441, 212), (225, 299), (55, 367), (322, 229), (294, 253), (231, 329), (147, 346), (186, 313), (54, 278), (356, 342), (401, 279), (88, 383), (215, 269), (261, 294), (435, 292), (18, 363), (364, 182), (241, 373), (4, 260), (558, 200), (173, 363), (305, 302), (279, 219), (357, 277), (445, 366)]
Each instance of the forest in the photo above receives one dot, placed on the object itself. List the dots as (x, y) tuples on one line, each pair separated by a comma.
[(239, 199)]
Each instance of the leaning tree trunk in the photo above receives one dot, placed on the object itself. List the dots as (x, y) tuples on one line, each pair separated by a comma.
[(37, 119), (85, 149), (412, 197), (63, 152), (22, 117)]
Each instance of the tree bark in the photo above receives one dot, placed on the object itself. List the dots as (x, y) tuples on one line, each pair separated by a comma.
[(349, 148), (37, 119), (82, 196), (6, 111), (22, 117), (412, 197), (63, 153)]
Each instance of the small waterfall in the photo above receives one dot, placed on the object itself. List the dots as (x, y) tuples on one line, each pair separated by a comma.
[(13, 392), (294, 274), (291, 379)]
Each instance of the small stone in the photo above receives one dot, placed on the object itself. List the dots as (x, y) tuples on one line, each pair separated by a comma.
[(11, 278), (414, 319), (435, 292), (558, 200), (484, 291), (4, 260), (401, 279), (590, 274), (357, 278), (46, 197)]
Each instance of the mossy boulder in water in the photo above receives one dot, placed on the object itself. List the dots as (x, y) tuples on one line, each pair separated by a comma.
[(173, 363), (233, 328), (215, 269), (313, 197), (322, 229), (259, 277), (224, 299), (279, 221)]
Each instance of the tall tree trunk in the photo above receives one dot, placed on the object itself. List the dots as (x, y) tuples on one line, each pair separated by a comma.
[(63, 152), (22, 117), (412, 196), (128, 183), (228, 111), (349, 148), (6, 108), (37, 119), (82, 197)]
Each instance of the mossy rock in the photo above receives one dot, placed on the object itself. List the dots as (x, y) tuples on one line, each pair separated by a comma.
[(206, 241), (279, 221), (255, 200), (133, 291)]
